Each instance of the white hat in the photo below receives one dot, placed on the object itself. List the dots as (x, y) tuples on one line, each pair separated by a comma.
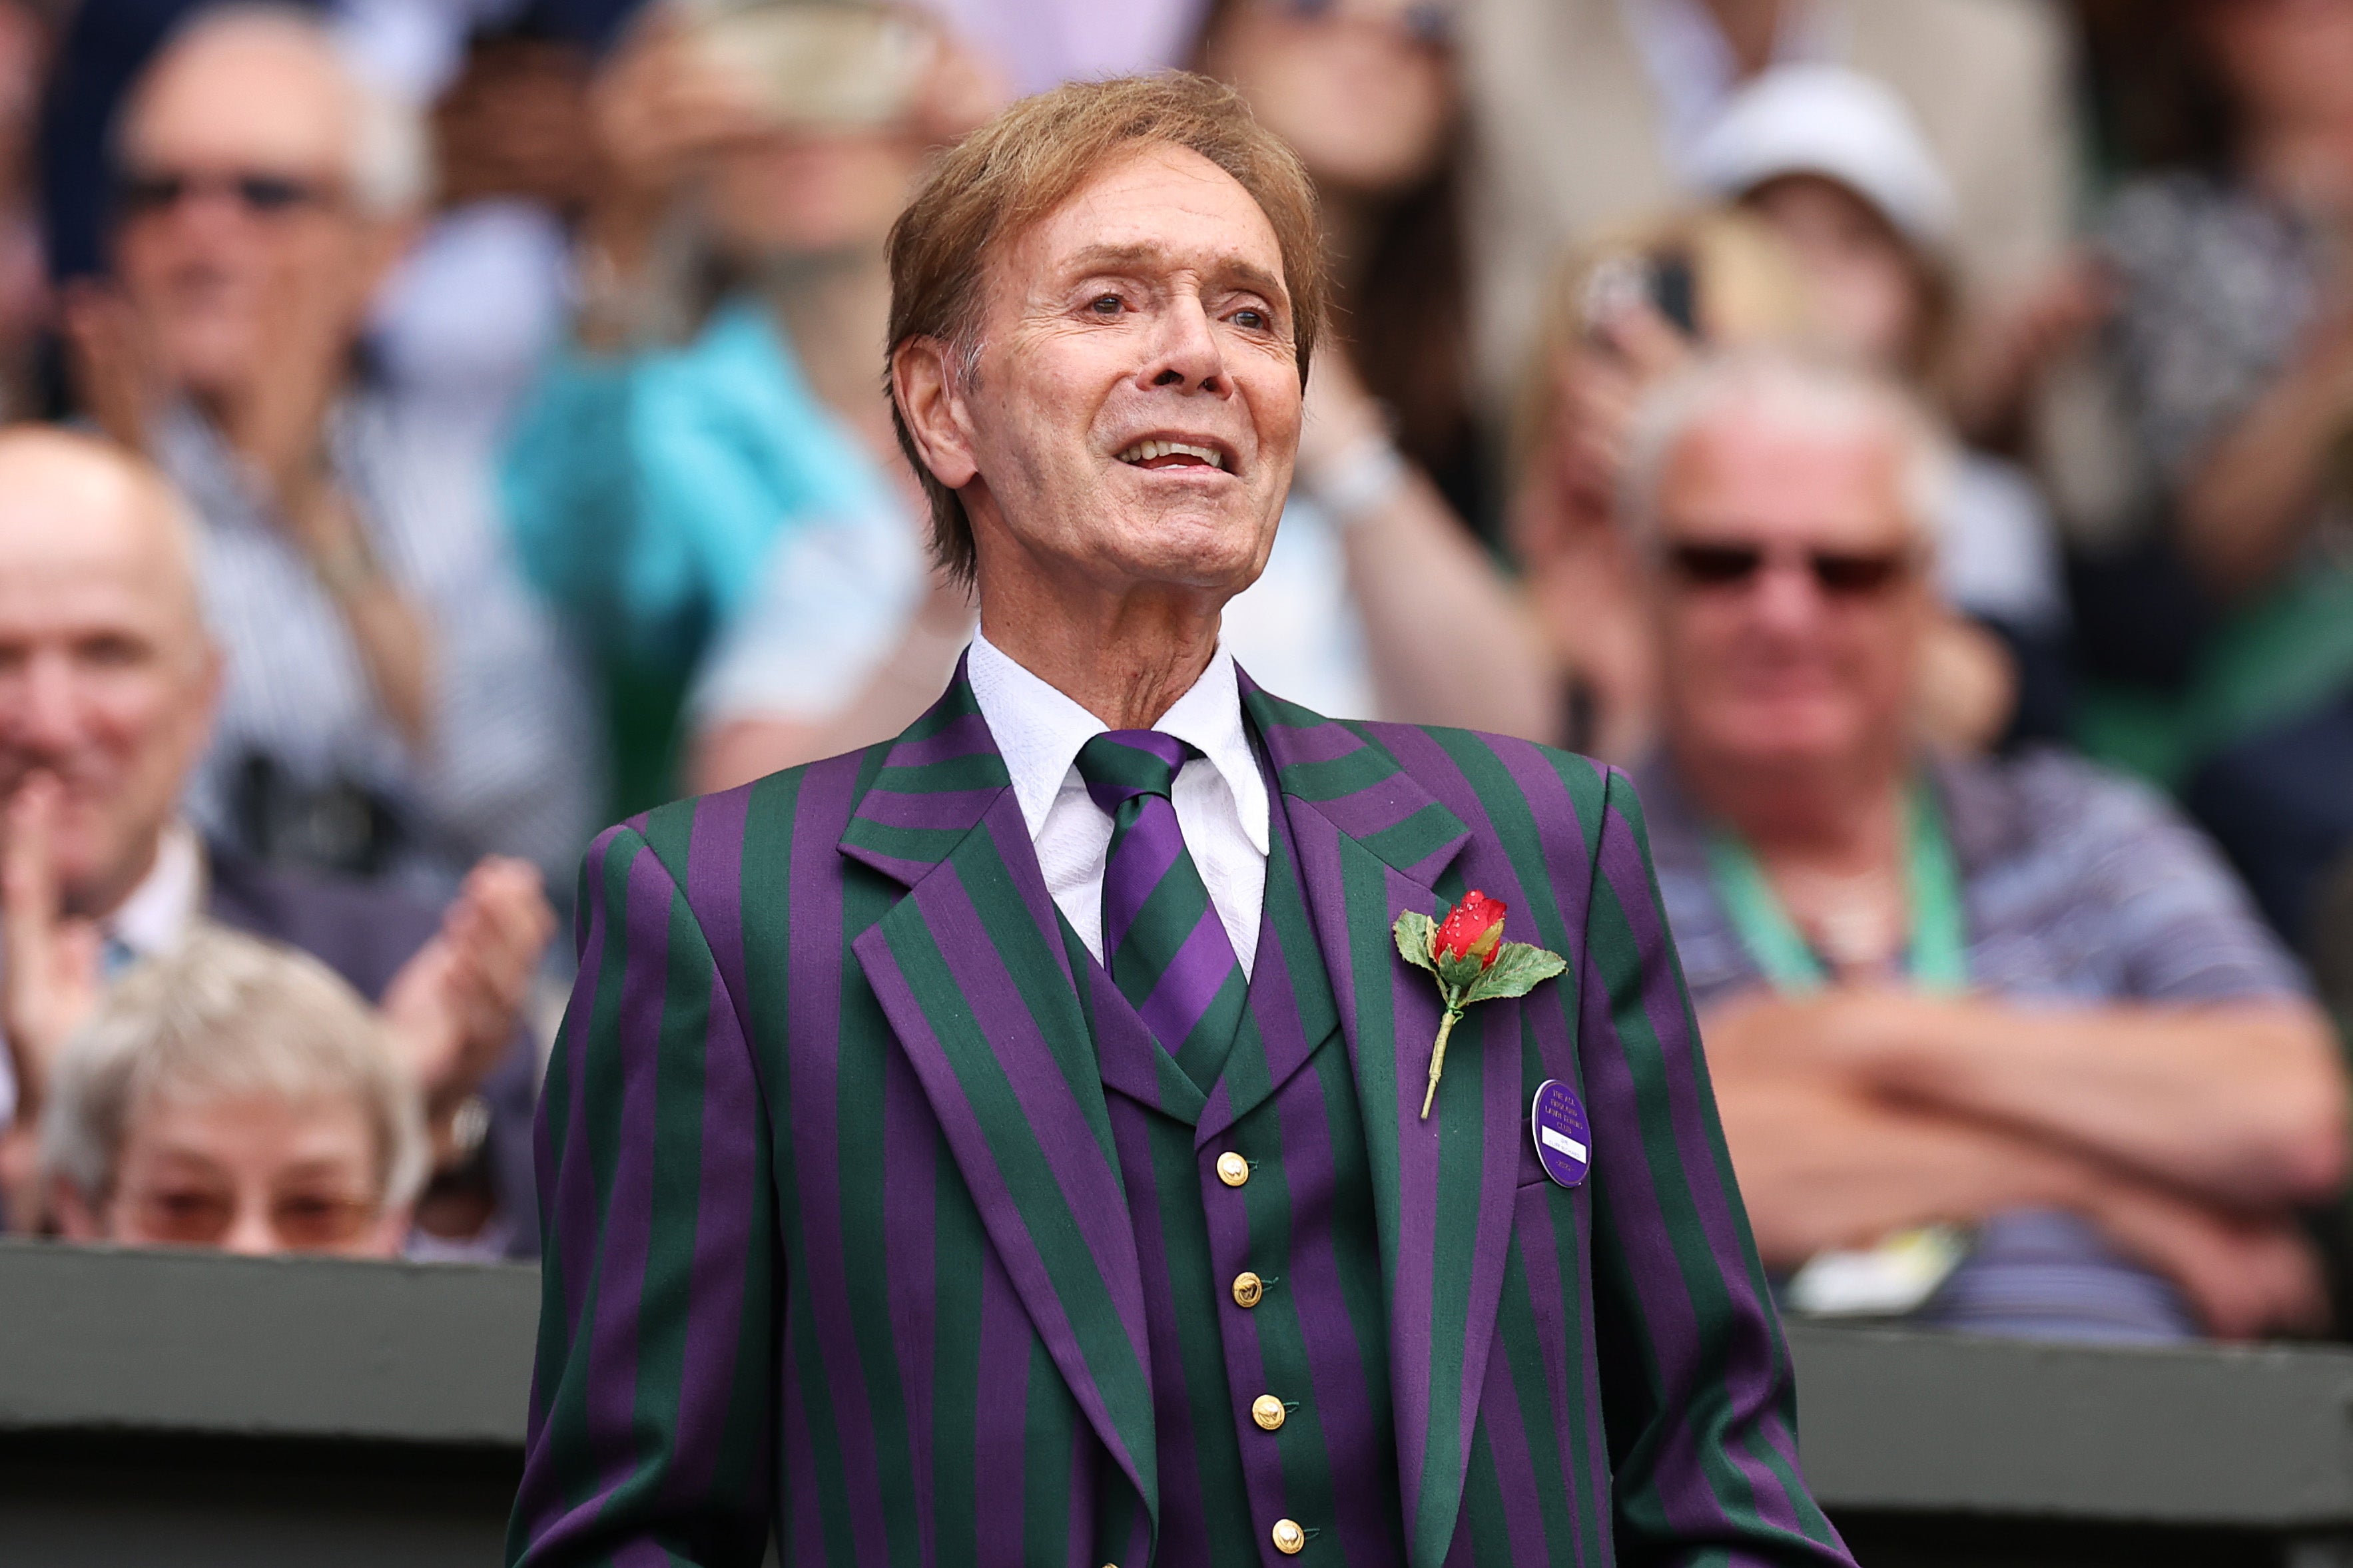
[(1836, 123)]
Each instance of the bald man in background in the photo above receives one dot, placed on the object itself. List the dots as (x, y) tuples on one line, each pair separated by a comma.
[(108, 680)]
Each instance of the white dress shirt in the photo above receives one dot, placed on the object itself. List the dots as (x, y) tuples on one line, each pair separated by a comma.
[(1221, 797)]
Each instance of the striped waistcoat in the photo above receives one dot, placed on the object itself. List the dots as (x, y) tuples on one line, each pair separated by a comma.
[(839, 1241), (1294, 1220)]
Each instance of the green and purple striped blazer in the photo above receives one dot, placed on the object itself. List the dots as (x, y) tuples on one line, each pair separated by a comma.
[(837, 1242)]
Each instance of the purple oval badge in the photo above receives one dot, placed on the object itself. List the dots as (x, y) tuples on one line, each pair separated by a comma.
[(1564, 1143)]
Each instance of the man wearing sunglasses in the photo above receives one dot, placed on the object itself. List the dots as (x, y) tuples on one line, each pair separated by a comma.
[(393, 706), (2000, 1043)]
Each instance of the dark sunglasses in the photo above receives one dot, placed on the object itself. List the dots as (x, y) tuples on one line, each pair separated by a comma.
[(263, 195), (1839, 574), (1426, 22)]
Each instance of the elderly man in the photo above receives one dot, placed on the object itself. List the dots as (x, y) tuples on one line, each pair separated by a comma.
[(392, 704), (107, 682), (1011, 1143), (2020, 998)]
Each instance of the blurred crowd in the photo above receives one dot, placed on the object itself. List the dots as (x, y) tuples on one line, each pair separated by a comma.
[(1915, 436)]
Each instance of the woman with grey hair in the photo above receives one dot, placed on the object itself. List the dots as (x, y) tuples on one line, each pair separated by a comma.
[(235, 1094)]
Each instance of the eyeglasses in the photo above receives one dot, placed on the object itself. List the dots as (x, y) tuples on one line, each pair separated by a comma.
[(1425, 21), (302, 1221), (1839, 574), (260, 194)]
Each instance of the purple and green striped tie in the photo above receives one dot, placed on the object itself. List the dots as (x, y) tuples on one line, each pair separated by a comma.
[(1165, 948)]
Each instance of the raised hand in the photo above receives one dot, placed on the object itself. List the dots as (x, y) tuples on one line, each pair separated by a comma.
[(113, 366), (659, 107), (52, 970), (454, 1007)]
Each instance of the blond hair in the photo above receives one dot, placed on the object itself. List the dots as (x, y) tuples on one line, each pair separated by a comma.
[(1020, 166), (227, 1014)]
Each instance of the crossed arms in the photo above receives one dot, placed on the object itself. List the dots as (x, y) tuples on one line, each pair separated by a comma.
[(2187, 1134)]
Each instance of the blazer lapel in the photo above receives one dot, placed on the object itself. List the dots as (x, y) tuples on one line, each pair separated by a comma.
[(970, 970), (1371, 842)]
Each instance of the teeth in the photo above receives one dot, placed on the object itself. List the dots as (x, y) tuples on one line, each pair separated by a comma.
[(1145, 451)]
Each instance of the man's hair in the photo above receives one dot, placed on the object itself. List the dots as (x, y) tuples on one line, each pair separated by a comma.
[(1017, 169), (226, 1015), (389, 163), (1798, 390)]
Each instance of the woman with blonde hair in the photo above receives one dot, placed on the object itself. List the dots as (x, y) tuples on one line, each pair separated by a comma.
[(235, 1094)]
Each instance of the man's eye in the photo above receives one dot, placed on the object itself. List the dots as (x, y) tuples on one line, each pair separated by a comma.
[(1106, 304), (112, 652), (1251, 320)]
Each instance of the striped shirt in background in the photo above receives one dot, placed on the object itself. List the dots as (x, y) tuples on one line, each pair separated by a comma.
[(512, 767), (2081, 888)]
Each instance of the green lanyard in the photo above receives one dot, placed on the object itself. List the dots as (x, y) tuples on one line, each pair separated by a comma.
[(1938, 959)]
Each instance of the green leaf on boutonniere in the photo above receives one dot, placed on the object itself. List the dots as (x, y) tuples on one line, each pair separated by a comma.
[(1416, 937), (1518, 969)]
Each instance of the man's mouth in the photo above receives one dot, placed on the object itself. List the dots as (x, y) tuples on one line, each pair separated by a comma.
[(1172, 454)]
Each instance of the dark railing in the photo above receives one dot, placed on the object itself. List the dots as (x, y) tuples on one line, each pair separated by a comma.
[(189, 1411)]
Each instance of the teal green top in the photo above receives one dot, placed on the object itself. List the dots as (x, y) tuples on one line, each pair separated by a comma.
[(645, 492)]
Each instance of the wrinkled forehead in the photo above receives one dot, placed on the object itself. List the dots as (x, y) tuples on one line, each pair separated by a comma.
[(242, 1132), (237, 101), (1765, 476), (1153, 209)]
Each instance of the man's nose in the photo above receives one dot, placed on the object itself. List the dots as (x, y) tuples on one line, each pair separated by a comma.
[(1786, 596), (1184, 354), (48, 706), (249, 1234)]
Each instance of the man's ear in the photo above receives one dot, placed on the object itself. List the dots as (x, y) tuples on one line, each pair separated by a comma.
[(926, 381)]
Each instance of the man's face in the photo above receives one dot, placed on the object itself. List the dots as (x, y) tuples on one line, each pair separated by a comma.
[(106, 679), (235, 214), (251, 1174), (1789, 592), (1137, 402)]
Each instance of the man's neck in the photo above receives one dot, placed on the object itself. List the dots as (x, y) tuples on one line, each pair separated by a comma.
[(1125, 660), (1751, 29), (1841, 817), (101, 901)]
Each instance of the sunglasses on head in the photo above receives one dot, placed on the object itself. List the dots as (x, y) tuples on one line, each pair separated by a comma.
[(261, 194), (1839, 574)]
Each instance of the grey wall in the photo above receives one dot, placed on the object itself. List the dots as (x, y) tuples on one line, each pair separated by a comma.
[(192, 1410)]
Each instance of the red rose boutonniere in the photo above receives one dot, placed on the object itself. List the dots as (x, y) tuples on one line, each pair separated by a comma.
[(1472, 962)]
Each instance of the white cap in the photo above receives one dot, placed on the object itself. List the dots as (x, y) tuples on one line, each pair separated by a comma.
[(1838, 124)]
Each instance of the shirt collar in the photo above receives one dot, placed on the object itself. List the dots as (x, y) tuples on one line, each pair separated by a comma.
[(167, 900), (1039, 730)]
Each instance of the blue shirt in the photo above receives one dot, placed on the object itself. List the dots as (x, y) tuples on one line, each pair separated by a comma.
[(646, 493)]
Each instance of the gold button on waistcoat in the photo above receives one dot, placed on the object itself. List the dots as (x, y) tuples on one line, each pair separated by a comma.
[(1268, 1412), (1233, 1169), (1289, 1539), (1248, 1289)]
